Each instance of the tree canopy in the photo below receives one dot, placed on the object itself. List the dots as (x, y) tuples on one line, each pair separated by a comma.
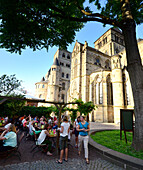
[(44, 23), (8, 84)]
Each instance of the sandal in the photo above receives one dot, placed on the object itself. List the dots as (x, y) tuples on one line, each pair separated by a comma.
[(65, 160), (58, 162), (49, 154), (87, 162)]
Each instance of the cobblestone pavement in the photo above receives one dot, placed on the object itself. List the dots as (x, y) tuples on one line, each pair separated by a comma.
[(72, 164), (96, 126)]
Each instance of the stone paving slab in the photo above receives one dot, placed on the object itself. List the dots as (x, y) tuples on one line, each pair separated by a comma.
[(100, 126), (72, 164)]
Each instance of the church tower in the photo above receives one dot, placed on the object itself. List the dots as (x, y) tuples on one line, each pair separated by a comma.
[(111, 42), (53, 84), (118, 99)]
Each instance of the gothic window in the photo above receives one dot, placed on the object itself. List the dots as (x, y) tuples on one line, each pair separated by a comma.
[(62, 64), (104, 40), (98, 91), (63, 97), (63, 55), (63, 86), (93, 92), (125, 90), (107, 64), (68, 65), (97, 61), (99, 44), (109, 91), (63, 74), (68, 56), (67, 76)]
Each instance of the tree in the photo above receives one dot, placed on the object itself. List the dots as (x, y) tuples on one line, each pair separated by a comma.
[(8, 84), (13, 107), (38, 24)]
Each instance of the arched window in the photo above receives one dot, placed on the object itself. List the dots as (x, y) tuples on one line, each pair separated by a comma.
[(40, 96), (63, 74), (43, 86), (63, 55), (67, 76), (109, 91), (63, 86), (68, 56), (125, 90), (97, 61), (107, 64), (98, 91), (63, 97), (93, 92)]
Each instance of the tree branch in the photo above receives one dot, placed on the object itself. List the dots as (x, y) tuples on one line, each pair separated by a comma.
[(86, 19)]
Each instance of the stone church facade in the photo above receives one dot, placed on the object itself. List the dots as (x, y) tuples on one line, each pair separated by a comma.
[(96, 74), (99, 74)]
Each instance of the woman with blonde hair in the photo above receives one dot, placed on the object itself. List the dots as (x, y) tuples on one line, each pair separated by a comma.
[(9, 138), (64, 131)]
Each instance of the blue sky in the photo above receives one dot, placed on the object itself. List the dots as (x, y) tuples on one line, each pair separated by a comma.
[(31, 66)]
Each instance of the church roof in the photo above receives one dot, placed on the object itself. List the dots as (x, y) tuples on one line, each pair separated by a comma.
[(56, 62), (43, 79), (49, 72), (93, 49)]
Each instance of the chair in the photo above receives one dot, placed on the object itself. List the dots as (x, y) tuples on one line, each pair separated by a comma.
[(12, 152), (39, 147)]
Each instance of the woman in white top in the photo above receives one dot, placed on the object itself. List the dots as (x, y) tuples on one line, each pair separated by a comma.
[(65, 128), (42, 139)]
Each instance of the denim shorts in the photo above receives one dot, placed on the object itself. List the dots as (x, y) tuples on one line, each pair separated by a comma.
[(63, 142)]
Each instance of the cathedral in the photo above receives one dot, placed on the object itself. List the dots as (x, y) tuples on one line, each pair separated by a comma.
[(96, 74)]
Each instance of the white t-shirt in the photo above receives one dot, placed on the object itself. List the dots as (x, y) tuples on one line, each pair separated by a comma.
[(76, 123), (31, 128), (7, 126), (23, 121), (65, 131), (41, 137)]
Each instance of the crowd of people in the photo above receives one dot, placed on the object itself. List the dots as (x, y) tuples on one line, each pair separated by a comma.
[(42, 129)]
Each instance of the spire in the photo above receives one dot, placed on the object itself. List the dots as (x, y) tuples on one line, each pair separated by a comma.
[(43, 79), (49, 72), (56, 62)]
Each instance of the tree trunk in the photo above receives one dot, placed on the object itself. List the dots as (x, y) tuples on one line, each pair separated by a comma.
[(135, 71)]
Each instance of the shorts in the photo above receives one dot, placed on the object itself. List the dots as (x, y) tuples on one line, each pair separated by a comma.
[(76, 133), (63, 142)]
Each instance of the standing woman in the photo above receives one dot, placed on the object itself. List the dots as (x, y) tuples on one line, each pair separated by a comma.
[(76, 132), (83, 128), (65, 128)]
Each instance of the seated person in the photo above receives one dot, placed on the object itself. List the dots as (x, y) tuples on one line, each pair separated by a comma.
[(9, 138), (31, 129), (42, 139), (55, 125)]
